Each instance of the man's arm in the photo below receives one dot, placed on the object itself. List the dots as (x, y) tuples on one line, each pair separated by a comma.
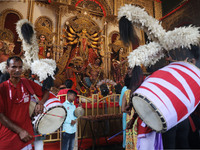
[(40, 106), (23, 134)]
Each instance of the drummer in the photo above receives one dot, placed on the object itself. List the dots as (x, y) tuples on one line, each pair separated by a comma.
[(140, 136), (16, 130)]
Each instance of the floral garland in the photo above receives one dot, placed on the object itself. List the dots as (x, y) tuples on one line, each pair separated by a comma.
[(152, 52), (83, 91), (106, 81), (82, 81)]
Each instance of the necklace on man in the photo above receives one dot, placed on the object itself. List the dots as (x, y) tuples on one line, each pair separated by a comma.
[(10, 92)]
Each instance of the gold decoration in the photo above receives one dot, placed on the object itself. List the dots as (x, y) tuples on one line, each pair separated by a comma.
[(6, 12), (6, 35)]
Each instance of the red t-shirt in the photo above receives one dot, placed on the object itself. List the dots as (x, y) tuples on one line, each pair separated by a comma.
[(16, 108), (61, 92)]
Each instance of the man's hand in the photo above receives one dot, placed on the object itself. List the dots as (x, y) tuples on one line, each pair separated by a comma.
[(39, 108), (73, 122), (130, 124), (24, 135)]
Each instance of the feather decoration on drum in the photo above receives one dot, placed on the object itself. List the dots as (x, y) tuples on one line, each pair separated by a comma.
[(27, 34), (179, 37), (3, 67), (43, 68)]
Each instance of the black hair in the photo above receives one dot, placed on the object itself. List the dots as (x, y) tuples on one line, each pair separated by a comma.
[(4, 76), (68, 83), (27, 32), (136, 78), (104, 89), (47, 83), (71, 92), (127, 33), (71, 64), (16, 58), (194, 51), (118, 88), (127, 80)]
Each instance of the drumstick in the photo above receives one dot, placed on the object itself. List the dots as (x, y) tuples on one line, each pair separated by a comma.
[(46, 134), (53, 115), (116, 134)]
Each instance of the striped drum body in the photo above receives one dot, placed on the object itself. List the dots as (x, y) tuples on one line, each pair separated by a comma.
[(52, 118), (168, 96)]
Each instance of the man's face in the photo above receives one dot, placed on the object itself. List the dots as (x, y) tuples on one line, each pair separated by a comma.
[(15, 68), (71, 97)]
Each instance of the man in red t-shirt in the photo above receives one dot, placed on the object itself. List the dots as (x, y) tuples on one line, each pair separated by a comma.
[(16, 130)]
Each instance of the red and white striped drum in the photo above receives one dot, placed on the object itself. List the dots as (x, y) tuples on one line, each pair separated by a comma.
[(52, 118), (168, 96)]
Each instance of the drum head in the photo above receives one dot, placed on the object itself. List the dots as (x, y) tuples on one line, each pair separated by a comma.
[(50, 123), (79, 111), (148, 113)]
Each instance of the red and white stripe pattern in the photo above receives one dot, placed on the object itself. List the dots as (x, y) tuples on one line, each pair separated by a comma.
[(174, 90), (52, 101)]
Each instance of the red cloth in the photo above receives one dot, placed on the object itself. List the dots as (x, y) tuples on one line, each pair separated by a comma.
[(63, 98), (61, 92), (16, 112), (192, 124), (142, 128), (73, 80)]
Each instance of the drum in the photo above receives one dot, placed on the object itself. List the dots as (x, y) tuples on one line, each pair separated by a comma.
[(52, 118), (79, 111), (168, 96)]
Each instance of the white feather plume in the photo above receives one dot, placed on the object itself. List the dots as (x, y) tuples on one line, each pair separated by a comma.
[(147, 55), (31, 50), (151, 53), (3, 67), (43, 68)]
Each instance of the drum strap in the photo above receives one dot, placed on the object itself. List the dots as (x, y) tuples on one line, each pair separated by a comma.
[(29, 88)]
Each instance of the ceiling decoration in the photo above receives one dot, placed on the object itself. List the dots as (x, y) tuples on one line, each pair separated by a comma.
[(100, 6)]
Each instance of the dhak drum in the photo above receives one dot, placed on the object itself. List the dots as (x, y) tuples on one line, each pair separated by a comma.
[(168, 96), (52, 118)]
